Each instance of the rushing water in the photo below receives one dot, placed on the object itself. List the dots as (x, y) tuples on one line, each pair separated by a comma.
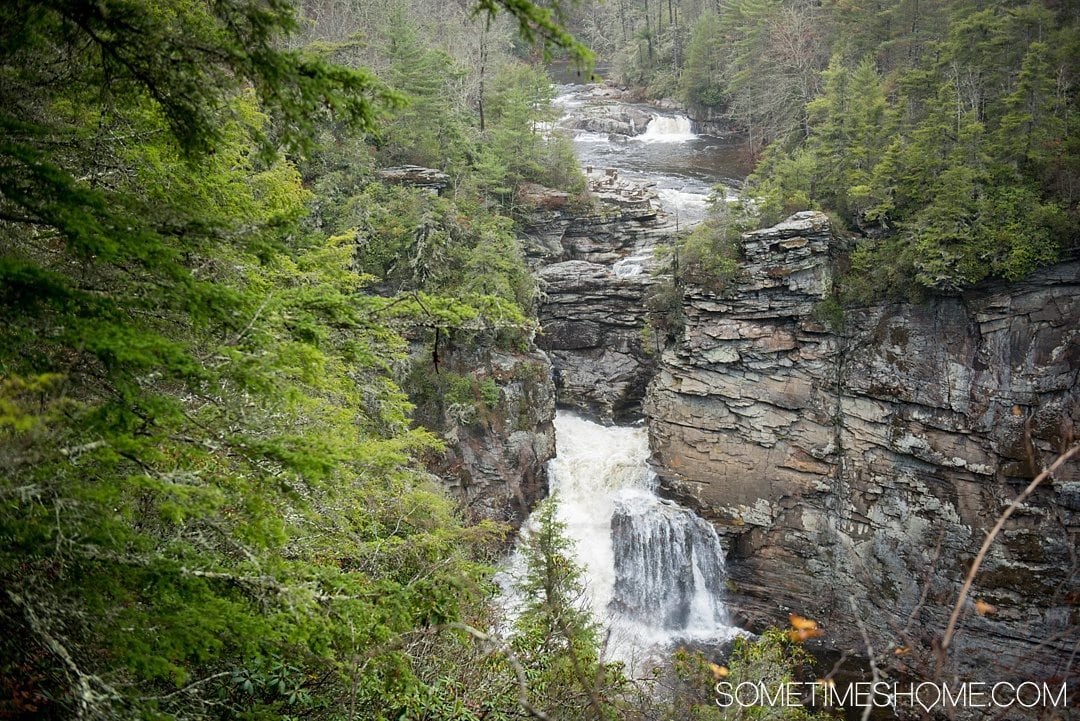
[(684, 167), (653, 571)]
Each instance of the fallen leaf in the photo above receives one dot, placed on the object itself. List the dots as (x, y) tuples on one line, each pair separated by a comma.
[(983, 608), (801, 622), (801, 634), (719, 671)]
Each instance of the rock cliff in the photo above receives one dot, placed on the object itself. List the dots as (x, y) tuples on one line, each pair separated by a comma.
[(593, 274), (867, 461), (592, 320), (494, 408)]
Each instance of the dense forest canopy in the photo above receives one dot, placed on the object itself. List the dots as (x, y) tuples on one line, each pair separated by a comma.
[(212, 502)]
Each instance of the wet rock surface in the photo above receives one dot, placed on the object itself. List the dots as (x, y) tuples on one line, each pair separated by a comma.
[(868, 460)]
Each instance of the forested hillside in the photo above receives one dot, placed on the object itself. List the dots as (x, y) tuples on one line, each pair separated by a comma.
[(945, 131), (217, 264), (213, 503)]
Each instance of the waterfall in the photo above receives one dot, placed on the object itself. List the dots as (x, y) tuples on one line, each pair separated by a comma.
[(668, 129), (653, 570), (669, 567), (631, 266)]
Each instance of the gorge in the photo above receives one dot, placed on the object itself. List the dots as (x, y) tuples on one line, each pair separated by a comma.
[(847, 456), (309, 304)]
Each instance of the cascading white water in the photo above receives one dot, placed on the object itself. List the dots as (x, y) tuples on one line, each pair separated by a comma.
[(631, 266), (653, 570), (667, 129)]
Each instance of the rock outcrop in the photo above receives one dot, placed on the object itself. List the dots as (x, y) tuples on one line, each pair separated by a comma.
[(592, 320), (712, 121), (869, 461), (494, 408), (616, 118), (417, 176), (593, 274), (622, 217)]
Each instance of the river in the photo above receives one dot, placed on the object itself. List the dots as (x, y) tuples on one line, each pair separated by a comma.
[(653, 571), (682, 166)]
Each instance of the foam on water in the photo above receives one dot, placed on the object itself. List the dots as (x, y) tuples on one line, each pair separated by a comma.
[(653, 570), (634, 265), (667, 129), (587, 137)]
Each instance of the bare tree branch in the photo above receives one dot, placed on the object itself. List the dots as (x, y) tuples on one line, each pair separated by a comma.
[(498, 646), (950, 630)]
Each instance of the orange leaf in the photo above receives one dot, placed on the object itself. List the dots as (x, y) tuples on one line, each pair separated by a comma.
[(719, 671), (801, 634), (983, 608), (802, 623)]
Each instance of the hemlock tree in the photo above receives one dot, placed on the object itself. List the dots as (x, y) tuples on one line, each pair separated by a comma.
[(555, 636)]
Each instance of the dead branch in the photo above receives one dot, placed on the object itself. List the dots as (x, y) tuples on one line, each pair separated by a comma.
[(950, 629), (495, 645), (869, 653), (86, 697)]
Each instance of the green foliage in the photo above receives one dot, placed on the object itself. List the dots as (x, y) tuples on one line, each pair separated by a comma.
[(709, 254), (944, 132), (443, 262), (773, 660), (514, 149), (541, 24), (212, 503), (428, 130), (555, 637), (830, 311), (770, 659), (953, 162), (708, 257), (665, 312), (448, 396), (222, 476), (184, 60), (702, 80)]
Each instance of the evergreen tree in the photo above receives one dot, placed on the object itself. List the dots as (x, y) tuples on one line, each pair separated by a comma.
[(701, 83), (212, 500), (555, 635)]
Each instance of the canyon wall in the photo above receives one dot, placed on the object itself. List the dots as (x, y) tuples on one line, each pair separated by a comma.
[(593, 271), (864, 458), (494, 409)]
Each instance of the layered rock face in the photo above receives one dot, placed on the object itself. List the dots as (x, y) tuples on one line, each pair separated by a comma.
[(625, 216), (593, 274), (712, 121), (868, 462), (592, 321), (496, 419)]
